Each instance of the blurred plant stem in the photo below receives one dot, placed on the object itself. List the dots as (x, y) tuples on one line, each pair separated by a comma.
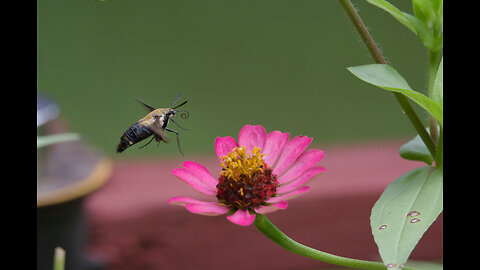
[(378, 57), (266, 227), (47, 140), (59, 259)]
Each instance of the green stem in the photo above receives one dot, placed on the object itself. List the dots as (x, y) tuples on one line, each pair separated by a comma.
[(362, 31), (266, 227), (439, 157), (434, 61), (378, 57), (432, 75)]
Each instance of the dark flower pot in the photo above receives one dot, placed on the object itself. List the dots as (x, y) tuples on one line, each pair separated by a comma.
[(67, 173)]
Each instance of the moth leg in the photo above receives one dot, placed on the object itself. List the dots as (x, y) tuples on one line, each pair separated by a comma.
[(171, 119), (178, 141), (147, 143)]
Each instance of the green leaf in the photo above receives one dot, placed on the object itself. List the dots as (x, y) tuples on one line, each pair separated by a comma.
[(43, 141), (430, 12), (437, 6), (386, 77), (437, 94), (425, 10), (422, 30), (405, 210), (395, 12), (416, 150)]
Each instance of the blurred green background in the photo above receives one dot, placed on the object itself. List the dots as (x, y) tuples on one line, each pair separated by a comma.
[(281, 64)]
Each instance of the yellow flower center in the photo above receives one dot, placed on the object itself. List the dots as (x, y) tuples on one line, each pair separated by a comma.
[(240, 162)]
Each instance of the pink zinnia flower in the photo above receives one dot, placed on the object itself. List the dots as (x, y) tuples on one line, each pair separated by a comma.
[(258, 175)]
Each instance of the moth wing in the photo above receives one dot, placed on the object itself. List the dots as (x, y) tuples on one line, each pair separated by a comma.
[(150, 108), (159, 135), (162, 138)]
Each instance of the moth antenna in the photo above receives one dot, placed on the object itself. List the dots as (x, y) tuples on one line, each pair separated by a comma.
[(183, 103), (176, 100)]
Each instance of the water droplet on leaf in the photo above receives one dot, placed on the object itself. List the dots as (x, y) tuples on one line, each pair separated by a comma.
[(413, 214)]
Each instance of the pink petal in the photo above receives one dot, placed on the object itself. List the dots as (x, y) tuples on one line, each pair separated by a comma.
[(208, 209), (251, 136), (224, 145), (292, 150), (242, 218), (182, 201), (288, 196), (274, 144), (282, 205), (306, 160), (194, 181), (201, 172), (301, 180)]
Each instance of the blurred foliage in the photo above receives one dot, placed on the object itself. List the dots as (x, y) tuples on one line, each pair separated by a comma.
[(47, 140), (280, 63)]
